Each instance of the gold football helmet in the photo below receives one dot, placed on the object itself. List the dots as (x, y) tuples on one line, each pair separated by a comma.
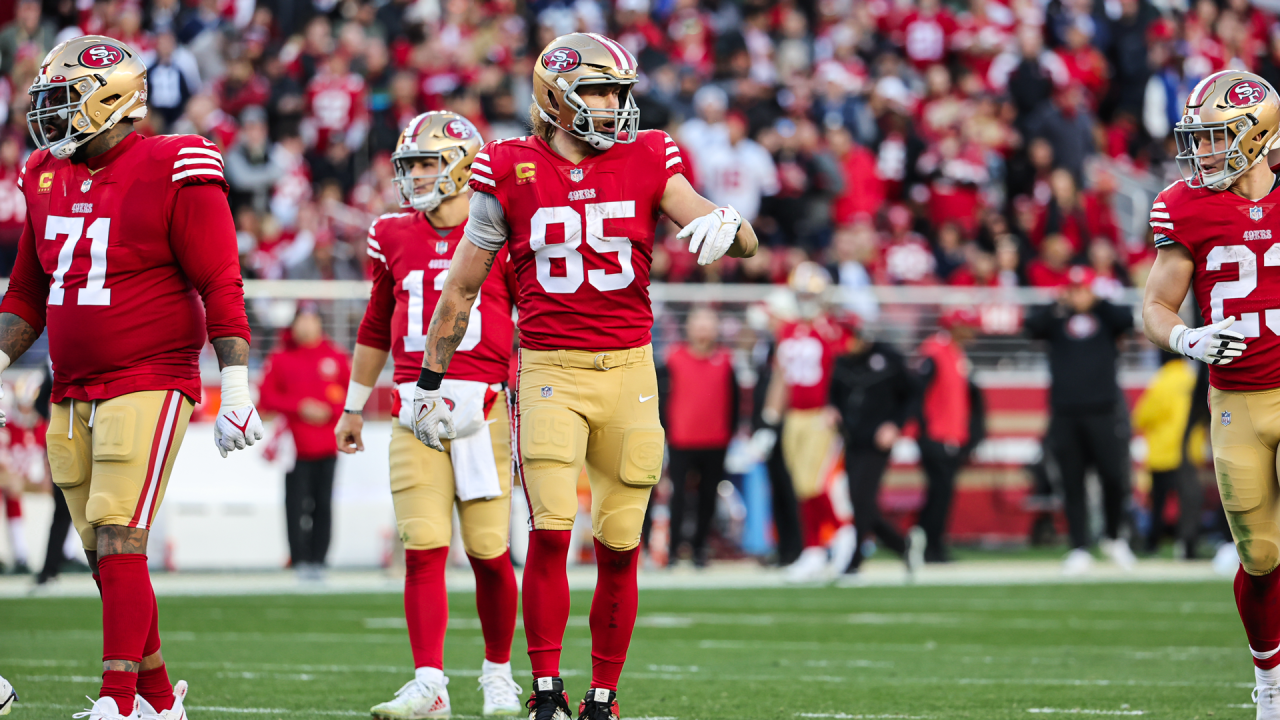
[(1229, 125), (85, 86), (449, 138), (809, 281), (578, 59)]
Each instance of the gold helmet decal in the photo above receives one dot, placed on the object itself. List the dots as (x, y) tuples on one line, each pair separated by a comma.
[(85, 86), (452, 141), (577, 60), (1229, 125)]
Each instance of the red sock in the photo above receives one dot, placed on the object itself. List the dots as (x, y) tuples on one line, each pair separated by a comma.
[(426, 605), (1258, 599), (496, 598), (127, 603), (814, 512), (546, 599), (155, 688), (12, 506), (613, 613)]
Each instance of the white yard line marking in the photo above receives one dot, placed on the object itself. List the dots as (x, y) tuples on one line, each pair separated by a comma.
[(1084, 711), (847, 716)]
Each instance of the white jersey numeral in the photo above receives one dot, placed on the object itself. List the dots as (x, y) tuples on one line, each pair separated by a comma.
[(1247, 263), (596, 213), (415, 339), (95, 291)]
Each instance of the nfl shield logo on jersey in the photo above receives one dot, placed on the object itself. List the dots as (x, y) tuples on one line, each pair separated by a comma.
[(84, 186), (1226, 418), (1255, 213), (442, 246), (546, 391), (576, 174)]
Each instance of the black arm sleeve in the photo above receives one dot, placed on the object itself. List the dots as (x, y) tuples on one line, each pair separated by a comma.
[(1039, 322)]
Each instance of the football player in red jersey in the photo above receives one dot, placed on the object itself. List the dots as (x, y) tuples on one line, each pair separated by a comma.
[(128, 258), (411, 254), (577, 204), (1217, 232), (797, 400)]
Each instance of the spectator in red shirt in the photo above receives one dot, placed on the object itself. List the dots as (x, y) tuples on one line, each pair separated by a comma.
[(1050, 269), (13, 207), (306, 382), (1075, 215), (864, 190), (927, 34), (701, 407), (241, 88), (1085, 64)]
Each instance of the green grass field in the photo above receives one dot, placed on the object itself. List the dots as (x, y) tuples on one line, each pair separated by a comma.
[(1154, 650)]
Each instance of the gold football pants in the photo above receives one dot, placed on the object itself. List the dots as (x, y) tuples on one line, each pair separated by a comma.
[(1245, 429)]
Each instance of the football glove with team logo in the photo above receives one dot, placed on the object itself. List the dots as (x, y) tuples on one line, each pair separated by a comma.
[(1213, 344), (239, 425), (430, 413), (713, 233)]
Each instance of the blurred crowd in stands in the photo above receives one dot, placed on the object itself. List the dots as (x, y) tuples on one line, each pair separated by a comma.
[(968, 142)]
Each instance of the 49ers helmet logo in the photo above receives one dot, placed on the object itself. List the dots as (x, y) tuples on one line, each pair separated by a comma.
[(101, 56), (1246, 93), (458, 130), (562, 60)]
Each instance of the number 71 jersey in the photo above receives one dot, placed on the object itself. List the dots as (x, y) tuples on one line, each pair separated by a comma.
[(1235, 244), (410, 260), (580, 236)]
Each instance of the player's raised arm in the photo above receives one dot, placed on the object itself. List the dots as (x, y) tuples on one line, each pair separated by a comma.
[(1166, 288), (713, 232)]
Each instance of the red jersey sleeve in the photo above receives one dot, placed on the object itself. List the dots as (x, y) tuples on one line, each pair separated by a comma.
[(202, 236), (489, 170), (375, 328), (194, 161), (28, 293), (668, 153), (1162, 219)]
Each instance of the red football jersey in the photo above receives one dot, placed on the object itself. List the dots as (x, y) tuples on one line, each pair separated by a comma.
[(116, 256), (581, 237), (410, 260), (1235, 244), (806, 353), (334, 102)]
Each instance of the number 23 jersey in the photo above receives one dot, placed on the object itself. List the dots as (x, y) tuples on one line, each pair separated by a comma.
[(410, 260), (580, 236), (130, 258), (1235, 244)]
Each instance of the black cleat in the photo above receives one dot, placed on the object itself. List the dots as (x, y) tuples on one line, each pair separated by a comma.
[(599, 704), (549, 700)]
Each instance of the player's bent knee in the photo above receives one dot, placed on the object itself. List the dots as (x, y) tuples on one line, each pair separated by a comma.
[(1258, 556), (1240, 478), (640, 462), (421, 534), (620, 518), (88, 538), (485, 544)]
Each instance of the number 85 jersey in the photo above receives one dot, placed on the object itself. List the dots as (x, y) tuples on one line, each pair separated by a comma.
[(580, 236), (1235, 244)]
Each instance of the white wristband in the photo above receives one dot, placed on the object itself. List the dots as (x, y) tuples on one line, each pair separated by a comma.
[(235, 387), (357, 396), (4, 361), (1175, 339)]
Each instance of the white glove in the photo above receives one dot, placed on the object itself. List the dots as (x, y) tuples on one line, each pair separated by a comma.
[(4, 365), (239, 425), (1214, 344), (429, 413), (714, 232), (762, 442)]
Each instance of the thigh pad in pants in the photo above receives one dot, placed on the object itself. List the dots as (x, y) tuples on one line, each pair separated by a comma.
[(1245, 466), (553, 445)]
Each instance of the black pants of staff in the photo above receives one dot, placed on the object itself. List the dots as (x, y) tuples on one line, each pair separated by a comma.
[(786, 509), (308, 506), (53, 557), (865, 468), (1182, 481), (699, 471), (941, 463), (1099, 440)]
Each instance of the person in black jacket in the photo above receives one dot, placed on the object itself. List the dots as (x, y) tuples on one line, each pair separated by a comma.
[(873, 391), (1086, 427)]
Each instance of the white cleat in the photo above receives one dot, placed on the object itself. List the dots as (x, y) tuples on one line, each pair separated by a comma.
[(809, 567), (1119, 552), (106, 709), (147, 712), (843, 546), (1078, 562), (1267, 698), (8, 696), (501, 693), (414, 701)]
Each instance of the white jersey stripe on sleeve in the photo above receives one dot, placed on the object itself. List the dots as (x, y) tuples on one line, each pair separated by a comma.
[(1159, 215), (484, 180), (374, 243), (673, 149), (201, 151), (1158, 205), (376, 255), (1162, 225), (482, 156), (191, 173), (482, 168), (197, 161), (673, 161)]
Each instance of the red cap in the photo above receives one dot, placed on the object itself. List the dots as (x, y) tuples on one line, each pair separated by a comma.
[(1081, 275), (959, 316)]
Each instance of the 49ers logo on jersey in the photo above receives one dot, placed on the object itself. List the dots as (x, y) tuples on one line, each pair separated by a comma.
[(101, 56), (458, 130), (562, 60), (1246, 93)]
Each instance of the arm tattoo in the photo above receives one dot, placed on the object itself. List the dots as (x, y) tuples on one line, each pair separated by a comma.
[(231, 351), (452, 317), (16, 335)]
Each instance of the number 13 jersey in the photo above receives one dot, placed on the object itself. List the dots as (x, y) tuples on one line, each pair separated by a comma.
[(1235, 244), (580, 236), (410, 259)]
